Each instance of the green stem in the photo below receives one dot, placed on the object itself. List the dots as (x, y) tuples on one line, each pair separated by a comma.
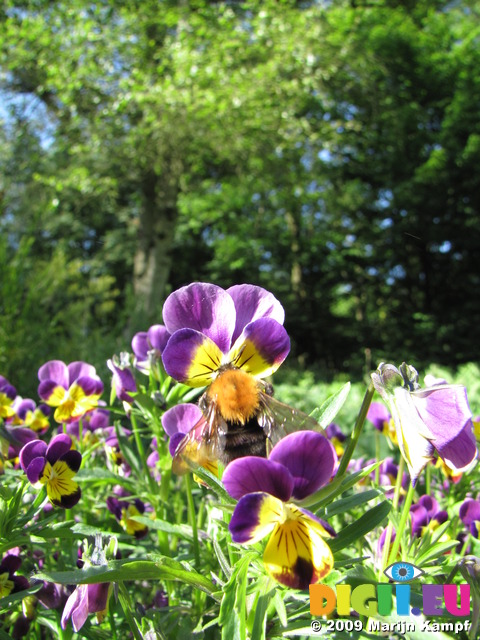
[(428, 475), (377, 456), (403, 521), (124, 598), (357, 430), (141, 453), (396, 498), (193, 519)]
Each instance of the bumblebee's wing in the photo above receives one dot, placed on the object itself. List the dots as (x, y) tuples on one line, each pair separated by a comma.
[(278, 420), (201, 446)]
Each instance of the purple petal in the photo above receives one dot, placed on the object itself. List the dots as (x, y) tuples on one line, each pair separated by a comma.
[(46, 388), (251, 303), (470, 511), (181, 418), (309, 457), (32, 450), (98, 597), (10, 564), (252, 474), (158, 337), (114, 506), (430, 504), (20, 435), (35, 469), (140, 345), (55, 370), (90, 386), (444, 410), (204, 307), (378, 414), (80, 370), (174, 441), (99, 419), (79, 611), (123, 380), (58, 446), (23, 407), (419, 517)]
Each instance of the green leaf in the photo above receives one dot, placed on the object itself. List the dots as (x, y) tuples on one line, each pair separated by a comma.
[(161, 568), (232, 617), (351, 502), (326, 413), (360, 527)]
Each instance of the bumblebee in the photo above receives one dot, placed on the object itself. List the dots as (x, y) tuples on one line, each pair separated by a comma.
[(240, 418)]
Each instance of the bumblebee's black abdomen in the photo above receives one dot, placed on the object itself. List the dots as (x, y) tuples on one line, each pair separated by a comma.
[(244, 440)]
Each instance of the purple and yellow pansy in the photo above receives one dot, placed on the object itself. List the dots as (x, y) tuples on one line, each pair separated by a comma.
[(9, 582), (435, 420), (212, 327), (8, 394), (124, 509), (54, 466), (296, 553), (73, 389), (27, 414)]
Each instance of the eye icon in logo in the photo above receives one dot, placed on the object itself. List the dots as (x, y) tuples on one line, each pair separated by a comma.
[(402, 572)]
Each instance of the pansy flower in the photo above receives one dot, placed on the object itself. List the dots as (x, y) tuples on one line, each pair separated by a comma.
[(29, 415), (336, 436), (470, 515), (426, 515), (148, 347), (8, 394), (54, 466), (211, 327), (429, 421), (116, 461), (86, 599), (296, 554), (381, 419), (124, 509), (9, 582), (73, 390)]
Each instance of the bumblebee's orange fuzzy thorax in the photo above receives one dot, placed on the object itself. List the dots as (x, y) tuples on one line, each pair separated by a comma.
[(236, 395)]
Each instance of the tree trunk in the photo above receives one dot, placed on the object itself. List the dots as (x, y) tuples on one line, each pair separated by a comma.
[(153, 258)]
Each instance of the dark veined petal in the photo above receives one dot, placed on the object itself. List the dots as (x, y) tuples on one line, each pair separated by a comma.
[(192, 358), (261, 348), (309, 457), (253, 474), (251, 303), (255, 516), (296, 554), (204, 307), (33, 449)]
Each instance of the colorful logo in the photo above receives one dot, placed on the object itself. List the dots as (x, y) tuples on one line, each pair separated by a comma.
[(384, 599)]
